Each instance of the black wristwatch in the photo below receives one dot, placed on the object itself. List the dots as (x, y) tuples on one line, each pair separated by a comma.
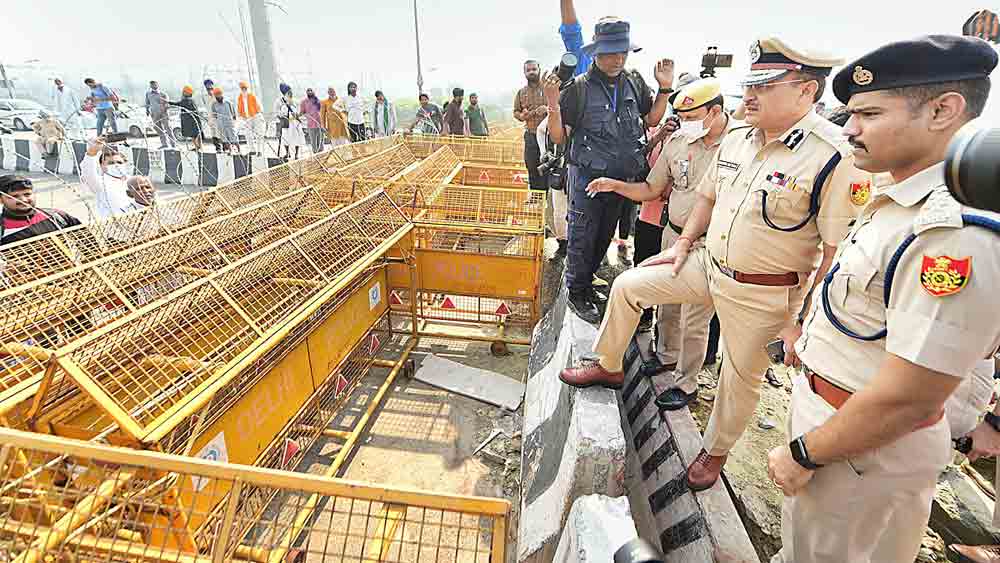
[(993, 420), (801, 455), (666, 90)]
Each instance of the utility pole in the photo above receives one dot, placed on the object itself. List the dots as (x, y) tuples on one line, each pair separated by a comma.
[(263, 47), (416, 30), (10, 89)]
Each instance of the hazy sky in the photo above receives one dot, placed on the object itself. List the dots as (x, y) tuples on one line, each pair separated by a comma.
[(478, 44)]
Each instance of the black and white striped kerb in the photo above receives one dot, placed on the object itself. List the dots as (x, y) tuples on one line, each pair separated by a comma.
[(681, 526), (178, 167)]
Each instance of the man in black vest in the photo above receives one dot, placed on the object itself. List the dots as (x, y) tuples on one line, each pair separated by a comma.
[(604, 114)]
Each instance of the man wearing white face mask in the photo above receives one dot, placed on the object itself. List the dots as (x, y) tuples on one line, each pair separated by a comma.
[(682, 330), (105, 173)]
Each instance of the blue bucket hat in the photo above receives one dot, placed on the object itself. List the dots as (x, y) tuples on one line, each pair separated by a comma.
[(611, 36)]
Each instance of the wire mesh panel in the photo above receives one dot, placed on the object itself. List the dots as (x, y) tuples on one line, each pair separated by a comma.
[(486, 150), (519, 210), (495, 175), (141, 366), (346, 154), (365, 175), (65, 500), (456, 308)]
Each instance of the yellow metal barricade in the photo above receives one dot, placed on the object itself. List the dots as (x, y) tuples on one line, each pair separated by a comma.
[(67, 500)]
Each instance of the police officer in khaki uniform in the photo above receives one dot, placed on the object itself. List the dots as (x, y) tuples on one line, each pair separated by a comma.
[(682, 330), (775, 202), (904, 315)]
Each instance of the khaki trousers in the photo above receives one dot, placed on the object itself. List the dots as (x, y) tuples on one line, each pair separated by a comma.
[(682, 332), (750, 316), (871, 509)]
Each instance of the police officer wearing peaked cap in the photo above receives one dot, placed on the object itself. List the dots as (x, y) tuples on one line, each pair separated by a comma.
[(906, 312), (604, 114), (772, 205)]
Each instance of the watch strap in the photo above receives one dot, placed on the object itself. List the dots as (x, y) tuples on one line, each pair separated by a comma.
[(666, 90), (801, 455)]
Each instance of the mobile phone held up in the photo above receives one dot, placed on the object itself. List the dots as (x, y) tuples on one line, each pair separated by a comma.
[(115, 137)]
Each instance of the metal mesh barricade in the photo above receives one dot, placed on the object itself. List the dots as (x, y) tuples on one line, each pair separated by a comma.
[(67, 500)]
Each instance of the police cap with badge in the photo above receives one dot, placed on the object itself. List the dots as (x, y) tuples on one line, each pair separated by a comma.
[(973, 164), (696, 94), (771, 57)]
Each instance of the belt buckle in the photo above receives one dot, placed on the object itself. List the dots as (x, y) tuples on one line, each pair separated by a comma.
[(728, 271)]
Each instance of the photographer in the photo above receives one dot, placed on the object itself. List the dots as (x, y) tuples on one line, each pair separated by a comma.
[(603, 115), (105, 173)]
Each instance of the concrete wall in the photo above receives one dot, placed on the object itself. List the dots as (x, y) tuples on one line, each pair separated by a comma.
[(596, 527), (573, 441)]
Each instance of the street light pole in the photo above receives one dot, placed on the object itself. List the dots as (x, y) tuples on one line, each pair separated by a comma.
[(416, 30), (10, 89)]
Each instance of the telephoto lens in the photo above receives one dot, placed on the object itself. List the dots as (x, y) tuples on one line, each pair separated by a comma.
[(638, 551), (567, 66), (972, 168)]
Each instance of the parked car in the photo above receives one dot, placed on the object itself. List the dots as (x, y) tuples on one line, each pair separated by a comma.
[(19, 114), (133, 120)]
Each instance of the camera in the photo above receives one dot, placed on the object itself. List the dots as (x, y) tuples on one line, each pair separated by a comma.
[(552, 168), (565, 70), (712, 60), (972, 168), (638, 551), (115, 137)]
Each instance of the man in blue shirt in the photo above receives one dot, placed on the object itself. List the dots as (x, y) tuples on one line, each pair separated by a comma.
[(104, 104), (572, 36)]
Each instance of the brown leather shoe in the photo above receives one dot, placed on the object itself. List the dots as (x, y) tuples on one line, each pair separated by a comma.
[(592, 374), (704, 471), (976, 554)]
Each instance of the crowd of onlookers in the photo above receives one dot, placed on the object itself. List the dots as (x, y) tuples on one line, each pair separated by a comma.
[(209, 114)]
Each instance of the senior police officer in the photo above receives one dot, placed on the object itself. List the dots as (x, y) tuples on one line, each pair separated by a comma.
[(604, 114), (682, 330), (775, 202), (904, 315)]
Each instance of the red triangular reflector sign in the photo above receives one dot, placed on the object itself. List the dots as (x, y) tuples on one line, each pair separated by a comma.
[(341, 384), (290, 449), (394, 299), (503, 310), (448, 303), (373, 345), (484, 176)]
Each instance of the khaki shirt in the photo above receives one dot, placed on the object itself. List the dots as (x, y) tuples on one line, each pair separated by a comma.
[(745, 168), (943, 308), (681, 165)]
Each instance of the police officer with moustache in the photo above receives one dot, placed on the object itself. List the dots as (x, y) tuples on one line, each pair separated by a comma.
[(604, 114), (773, 205), (906, 312)]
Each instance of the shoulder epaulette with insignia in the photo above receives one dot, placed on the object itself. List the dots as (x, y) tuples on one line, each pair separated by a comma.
[(833, 135), (940, 209)]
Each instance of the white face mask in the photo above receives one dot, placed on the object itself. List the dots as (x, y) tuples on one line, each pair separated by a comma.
[(695, 130), (119, 171)]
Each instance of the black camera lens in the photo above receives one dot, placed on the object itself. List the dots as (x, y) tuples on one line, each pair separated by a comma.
[(567, 66), (638, 551), (972, 168)]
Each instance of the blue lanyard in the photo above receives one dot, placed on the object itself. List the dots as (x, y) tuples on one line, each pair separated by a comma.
[(613, 97)]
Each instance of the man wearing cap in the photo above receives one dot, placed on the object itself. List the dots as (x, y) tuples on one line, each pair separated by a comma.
[(773, 205), (20, 219), (604, 115), (894, 329), (682, 330)]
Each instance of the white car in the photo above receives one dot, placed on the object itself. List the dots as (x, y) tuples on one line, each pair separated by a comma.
[(131, 119), (19, 114)]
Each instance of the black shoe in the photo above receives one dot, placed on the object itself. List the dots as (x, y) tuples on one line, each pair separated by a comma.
[(646, 321), (584, 308), (674, 399), (561, 251), (597, 297), (652, 367)]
